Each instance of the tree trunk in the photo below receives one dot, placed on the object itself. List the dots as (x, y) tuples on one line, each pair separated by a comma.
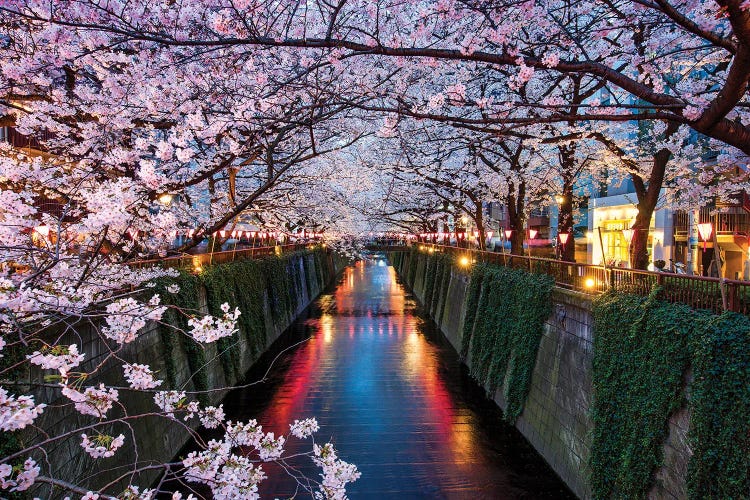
[(479, 220), (565, 209), (515, 204), (565, 221), (648, 197)]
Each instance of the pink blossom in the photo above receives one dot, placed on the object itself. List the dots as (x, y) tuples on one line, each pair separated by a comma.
[(17, 413), (94, 401), (211, 417), (23, 480), (101, 445), (551, 59), (210, 329), (169, 401), (304, 428), (140, 376), (692, 113), (57, 358)]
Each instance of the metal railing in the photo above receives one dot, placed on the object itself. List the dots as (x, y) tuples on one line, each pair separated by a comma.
[(190, 261), (698, 292)]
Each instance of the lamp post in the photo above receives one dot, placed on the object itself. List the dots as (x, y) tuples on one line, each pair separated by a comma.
[(628, 234)]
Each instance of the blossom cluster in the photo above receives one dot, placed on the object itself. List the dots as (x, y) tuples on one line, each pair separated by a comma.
[(101, 445), (23, 480), (125, 317), (303, 429), (210, 329), (212, 417), (336, 473), (58, 357), (140, 376), (94, 401), (17, 412)]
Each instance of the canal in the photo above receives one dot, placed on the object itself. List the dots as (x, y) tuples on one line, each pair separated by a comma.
[(389, 391)]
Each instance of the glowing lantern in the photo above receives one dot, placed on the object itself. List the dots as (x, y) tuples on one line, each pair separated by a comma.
[(533, 233), (222, 233), (42, 230), (628, 234), (564, 238), (165, 199), (508, 233), (705, 229)]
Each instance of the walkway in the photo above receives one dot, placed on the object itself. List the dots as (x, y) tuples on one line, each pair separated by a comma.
[(395, 400)]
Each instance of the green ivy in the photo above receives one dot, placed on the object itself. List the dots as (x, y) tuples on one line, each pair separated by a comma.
[(720, 397), (442, 294), (640, 355), (508, 325), (473, 293), (644, 351), (412, 267), (244, 284)]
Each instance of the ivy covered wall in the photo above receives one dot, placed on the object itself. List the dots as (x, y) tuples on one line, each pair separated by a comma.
[(652, 359), (503, 321), (269, 292)]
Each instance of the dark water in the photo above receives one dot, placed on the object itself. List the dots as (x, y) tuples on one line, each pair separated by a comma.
[(389, 391)]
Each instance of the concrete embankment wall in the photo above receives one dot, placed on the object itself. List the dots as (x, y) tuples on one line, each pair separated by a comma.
[(183, 364), (556, 417)]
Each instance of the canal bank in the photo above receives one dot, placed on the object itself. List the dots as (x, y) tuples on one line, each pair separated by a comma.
[(391, 393)]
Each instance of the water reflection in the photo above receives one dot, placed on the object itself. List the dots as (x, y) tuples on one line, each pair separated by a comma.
[(393, 397)]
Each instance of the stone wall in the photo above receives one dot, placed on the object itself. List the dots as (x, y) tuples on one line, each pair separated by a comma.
[(157, 439), (555, 419)]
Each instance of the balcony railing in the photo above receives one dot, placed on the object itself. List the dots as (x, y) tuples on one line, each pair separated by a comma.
[(733, 220), (698, 292)]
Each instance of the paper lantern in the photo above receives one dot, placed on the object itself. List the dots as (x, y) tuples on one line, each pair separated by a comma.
[(705, 229)]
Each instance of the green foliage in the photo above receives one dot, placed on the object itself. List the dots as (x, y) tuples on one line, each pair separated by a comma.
[(472, 306), (442, 292), (644, 349), (244, 284), (508, 325), (640, 355), (412, 266), (720, 397)]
